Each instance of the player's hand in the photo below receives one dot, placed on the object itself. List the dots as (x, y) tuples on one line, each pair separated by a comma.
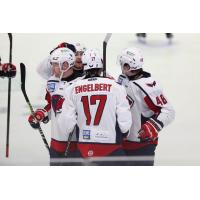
[(9, 70), (33, 122), (148, 132), (40, 115), (123, 80)]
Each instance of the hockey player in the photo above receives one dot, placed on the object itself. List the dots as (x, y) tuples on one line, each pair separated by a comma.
[(80, 49), (62, 62), (101, 114), (151, 110), (45, 70), (7, 70)]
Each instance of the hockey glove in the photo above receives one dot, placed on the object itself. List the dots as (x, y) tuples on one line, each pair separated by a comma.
[(149, 131), (40, 115), (8, 70), (123, 80)]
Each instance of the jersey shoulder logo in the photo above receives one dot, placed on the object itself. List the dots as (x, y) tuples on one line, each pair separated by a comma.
[(51, 87), (151, 84), (57, 102)]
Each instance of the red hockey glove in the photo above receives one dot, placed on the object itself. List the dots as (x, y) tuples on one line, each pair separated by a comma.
[(40, 115), (8, 70), (149, 131)]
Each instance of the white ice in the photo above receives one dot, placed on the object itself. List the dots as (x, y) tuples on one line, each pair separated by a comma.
[(176, 66)]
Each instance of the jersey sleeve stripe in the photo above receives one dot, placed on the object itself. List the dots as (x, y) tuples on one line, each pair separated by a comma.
[(148, 100)]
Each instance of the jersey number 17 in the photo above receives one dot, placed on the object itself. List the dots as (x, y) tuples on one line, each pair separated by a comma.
[(92, 101)]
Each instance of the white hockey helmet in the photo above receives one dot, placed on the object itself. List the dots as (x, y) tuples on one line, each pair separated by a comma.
[(131, 56), (92, 59), (62, 55), (80, 47)]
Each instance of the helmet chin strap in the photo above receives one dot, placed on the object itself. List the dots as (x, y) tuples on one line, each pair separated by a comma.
[(61, 75), (63, 71)]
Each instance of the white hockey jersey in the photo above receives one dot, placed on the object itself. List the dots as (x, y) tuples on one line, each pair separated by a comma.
[(147, 100), (56, 88), (99, 107)]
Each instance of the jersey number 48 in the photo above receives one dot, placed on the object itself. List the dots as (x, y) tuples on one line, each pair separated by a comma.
[(160, 100)]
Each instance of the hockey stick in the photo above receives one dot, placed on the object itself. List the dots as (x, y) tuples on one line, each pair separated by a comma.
[(69, 142), (23, 77), (105, 42), (9, 98)]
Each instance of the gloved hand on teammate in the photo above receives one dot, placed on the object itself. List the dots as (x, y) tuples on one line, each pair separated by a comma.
[(149, 131)]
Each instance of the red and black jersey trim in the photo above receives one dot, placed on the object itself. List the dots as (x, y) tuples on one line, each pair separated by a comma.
[(53, 81), (158, 121), (96, 150), (60, 146), (48, 99), (156, 109), (130, 145)]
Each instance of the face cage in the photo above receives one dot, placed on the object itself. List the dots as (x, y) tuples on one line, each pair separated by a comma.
[(131, 69), (60, 65)]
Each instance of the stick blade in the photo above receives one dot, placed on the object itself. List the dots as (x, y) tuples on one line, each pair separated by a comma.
[(23, 73)]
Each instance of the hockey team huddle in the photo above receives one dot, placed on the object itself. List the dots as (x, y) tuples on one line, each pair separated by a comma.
[(94, 116)]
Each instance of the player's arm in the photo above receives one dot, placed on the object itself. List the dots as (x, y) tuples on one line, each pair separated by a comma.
[(48, 100), (41, 114), (67, 119), (163, 114), (123, 111)]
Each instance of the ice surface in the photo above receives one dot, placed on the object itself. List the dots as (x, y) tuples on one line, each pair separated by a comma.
[(176, 66)]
